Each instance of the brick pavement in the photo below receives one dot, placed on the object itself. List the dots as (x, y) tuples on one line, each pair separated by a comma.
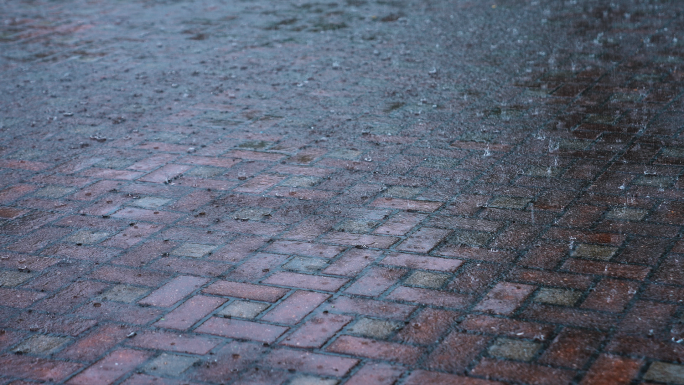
[(358, 192)]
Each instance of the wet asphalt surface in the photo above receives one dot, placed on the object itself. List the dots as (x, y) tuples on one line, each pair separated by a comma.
[(349, 192)]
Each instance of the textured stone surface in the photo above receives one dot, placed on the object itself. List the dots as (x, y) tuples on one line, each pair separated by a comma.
[(341, 192)]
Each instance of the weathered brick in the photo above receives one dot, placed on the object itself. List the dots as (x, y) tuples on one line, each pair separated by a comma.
[(572, 348), (504, 298), (352, 262), (112, 367), (380, 374), (96, 343), (419, 377), (375, 281), (305, 281), (457, 351), (173, 291), (522, 372), (191, 311), (423, 240), (246, 290), (317, 331), (608, 369), (34, 368), (239, 329), (295, 307), (316, 363), (172, 341), (430, 297), (374, 349)]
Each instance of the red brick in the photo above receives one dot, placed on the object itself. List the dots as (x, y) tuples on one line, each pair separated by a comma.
[(137, 214), (475, 277), (38, 239), (254, 155), (9, 338), (74, 294), (371, 308), (606, 268), (112, 367), (305, 281), (550, 278), (189, 266), (120, 312), (375, 281), (423, 240), (612, 370), (400, 224), (10, 213), (611, 295), (47, 323), (174, 342), (663, 293), (504, 298), (188, 313), (422, 262), (376, 373), (430, 297), (14, 192), (352, 262), (246, 291), (428, 327), (507, 327), (24, 164), (301, 361), (34, 368), (671, 271), (523, 372), (233, 328), (238, 249), (421, 377), (476, 253), (33, 263), (646, 347), (87, 253), (317, 331), (405, 204), (301, 170), (257, 267), (144, 379), (545, 256), (152, 162), (208, 161), (647, 318), (106, 173), (310, 228), (144, 253), (227, 362), (572, 348), (172, 292), (517, 236), (259, 183), (580, 216), (301, 193), (130, 276), (457, 351), (95, 190), (569, 316), (582, 236), (379, 350), (295, 307), (132, 235), (304, 248), (364, 240), (165, 173), (96, 343), (18, 298)]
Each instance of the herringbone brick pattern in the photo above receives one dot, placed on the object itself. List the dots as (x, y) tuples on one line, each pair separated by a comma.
[(357, 192)]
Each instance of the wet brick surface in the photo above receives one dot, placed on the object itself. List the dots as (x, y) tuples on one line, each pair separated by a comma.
[(341, 192)]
